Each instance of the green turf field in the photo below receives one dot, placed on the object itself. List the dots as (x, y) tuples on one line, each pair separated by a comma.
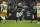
[(25, 23)]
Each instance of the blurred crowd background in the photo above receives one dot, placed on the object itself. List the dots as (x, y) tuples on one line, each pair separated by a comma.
[(12, 6)]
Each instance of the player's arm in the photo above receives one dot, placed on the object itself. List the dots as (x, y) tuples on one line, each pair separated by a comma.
[(35, 10)]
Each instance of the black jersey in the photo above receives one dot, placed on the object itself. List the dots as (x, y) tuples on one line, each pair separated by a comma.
[(18, 9)]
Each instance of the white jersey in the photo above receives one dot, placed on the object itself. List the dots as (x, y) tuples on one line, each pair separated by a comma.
[(5, 7), (38, 11)]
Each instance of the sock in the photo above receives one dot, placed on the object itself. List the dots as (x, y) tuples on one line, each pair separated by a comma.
[(16, 20)]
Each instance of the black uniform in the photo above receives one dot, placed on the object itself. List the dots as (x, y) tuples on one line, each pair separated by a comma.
[(19, 10), (35, 14)]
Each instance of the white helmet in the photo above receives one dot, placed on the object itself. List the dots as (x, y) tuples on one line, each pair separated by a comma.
[(19, 4)]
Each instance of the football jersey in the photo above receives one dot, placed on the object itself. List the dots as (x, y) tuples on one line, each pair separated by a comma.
[(3, 10), (19, 10)]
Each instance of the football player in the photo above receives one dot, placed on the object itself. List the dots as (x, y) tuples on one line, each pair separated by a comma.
[(38, 14), (19, 12), (34, 15), (3, 11)]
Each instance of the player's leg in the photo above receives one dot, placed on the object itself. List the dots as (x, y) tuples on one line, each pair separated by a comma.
[(38, 21), (20, 19), (35, 17), (32, 18), (16, 19), (0, 19), (17, 15), (4, 20)]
